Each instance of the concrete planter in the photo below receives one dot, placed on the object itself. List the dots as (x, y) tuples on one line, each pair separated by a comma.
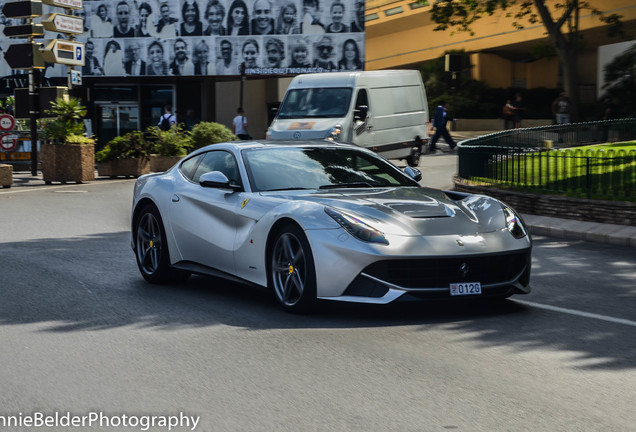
[(163, 163), (68, 163), (6, 175), (133, 167)]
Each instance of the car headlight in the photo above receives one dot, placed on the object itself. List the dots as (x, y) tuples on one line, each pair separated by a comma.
[(514, 223), (356, 227), (334, 133)]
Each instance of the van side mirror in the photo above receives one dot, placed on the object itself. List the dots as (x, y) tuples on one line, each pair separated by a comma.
[(360, 112)]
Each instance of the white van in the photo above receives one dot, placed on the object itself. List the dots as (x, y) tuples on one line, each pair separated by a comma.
[(384, 110)]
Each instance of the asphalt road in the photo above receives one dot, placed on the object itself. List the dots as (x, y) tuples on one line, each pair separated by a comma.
[(81, 333)]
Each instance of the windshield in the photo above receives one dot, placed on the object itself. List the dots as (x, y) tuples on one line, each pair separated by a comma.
[(315, 103), (290, 168)]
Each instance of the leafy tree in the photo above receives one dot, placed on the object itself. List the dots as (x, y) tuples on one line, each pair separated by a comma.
[(560, 18)]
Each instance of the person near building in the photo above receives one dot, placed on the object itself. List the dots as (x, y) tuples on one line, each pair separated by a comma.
[(508, 113), (561, 108), (168, 119), (440, 119), (520, 109), (239, 125)]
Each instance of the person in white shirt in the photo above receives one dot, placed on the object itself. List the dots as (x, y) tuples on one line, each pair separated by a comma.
[(172, 119), (239, 125)]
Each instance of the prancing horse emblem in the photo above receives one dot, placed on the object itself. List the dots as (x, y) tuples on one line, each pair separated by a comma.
[(464, 269)]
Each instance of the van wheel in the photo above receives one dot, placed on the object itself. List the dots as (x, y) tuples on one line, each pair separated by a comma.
[(414, 159)]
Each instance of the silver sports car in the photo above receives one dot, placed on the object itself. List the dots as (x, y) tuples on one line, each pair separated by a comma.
[(324, 221)]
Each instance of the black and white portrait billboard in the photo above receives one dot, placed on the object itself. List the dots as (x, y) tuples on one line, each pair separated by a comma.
[(215, 37)]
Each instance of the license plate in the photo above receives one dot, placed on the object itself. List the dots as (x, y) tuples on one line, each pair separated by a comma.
[(465, 288)]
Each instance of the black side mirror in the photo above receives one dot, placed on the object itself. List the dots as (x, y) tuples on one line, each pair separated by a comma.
[(360, 112), (414, 173)]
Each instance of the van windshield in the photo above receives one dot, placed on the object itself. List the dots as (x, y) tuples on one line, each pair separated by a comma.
[(315, 103)]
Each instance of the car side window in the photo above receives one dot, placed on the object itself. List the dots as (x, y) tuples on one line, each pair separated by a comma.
[(189, 166), (218, 160)]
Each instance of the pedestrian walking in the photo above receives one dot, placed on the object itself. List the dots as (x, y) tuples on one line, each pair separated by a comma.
[(520, 108), (561, 108), (239, 125), (508, 113), (167, 120), (440, 118)]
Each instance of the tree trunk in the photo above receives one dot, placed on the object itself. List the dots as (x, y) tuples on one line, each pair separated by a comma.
[(566, 51)]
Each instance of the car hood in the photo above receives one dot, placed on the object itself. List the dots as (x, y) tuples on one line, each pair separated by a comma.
[(413, 210)]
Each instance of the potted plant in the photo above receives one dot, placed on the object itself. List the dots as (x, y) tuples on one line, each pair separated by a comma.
[(125, 156), (168, 146), (67, 155), (205, 133)]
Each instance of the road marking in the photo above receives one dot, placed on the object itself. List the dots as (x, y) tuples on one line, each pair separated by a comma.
[(578, 313)]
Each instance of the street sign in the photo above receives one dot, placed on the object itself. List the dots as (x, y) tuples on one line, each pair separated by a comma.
[(76, 78), (8, 142), (64, 52), (69, 4), (64, 24), (24, 30), (22, 9), (7, 122), (24, 56)]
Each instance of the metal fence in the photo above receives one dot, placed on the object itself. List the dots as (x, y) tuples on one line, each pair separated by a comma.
[(546, 159)]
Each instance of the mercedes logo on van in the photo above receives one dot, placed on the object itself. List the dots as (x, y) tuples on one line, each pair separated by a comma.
[(464, 269), (296, 135)]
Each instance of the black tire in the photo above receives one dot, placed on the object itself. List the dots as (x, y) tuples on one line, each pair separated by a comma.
[(292, 274), (151, 249), (414, 159)]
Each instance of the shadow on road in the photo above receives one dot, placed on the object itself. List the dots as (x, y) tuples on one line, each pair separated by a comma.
[(92, 283)]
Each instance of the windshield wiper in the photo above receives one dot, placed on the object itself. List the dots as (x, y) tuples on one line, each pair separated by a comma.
[(349, 185)]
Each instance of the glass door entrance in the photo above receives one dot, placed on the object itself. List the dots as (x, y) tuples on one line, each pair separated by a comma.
[(115, 120)]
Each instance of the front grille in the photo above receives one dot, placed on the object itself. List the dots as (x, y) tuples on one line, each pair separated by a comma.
[(440, 272)]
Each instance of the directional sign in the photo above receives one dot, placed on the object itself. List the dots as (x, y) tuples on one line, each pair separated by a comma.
[(7, 122), (64, 52), (24, 30), (69, 4), (24, 56), (8, 142), (64, 24), (22, 9)]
